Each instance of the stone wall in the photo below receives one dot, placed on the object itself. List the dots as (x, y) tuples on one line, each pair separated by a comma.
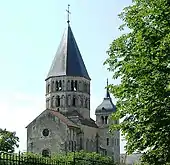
[(37, 140)]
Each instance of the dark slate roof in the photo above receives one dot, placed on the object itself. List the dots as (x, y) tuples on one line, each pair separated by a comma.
[(68, 60), (88, 122), (107, 104), (63, 118)]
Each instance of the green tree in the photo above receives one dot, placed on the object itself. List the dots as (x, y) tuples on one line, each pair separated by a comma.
[(141, 60), (8, 141)]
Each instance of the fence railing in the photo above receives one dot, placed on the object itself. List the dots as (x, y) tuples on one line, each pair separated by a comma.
[(22, 159)]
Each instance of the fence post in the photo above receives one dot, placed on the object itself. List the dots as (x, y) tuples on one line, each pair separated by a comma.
[(19, 159)]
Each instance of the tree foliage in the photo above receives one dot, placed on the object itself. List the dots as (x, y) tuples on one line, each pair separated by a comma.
[(8, 141), (141, 59)]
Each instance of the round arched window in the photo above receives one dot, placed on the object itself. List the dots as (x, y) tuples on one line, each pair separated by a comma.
[(45, 132)]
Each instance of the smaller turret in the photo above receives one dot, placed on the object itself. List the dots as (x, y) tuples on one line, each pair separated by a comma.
[(109, 144), (104, 109)]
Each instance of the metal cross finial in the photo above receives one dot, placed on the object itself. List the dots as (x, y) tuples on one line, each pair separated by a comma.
[(107, 90), (68, 12)]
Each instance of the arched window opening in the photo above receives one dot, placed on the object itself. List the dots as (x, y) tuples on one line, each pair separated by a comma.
[(107, 141), (62, 101), (106, 120), (57, 101), (45, 153), (75, 145), (68, 85), (75, 85), (60, 85), (88, 88), (52, 102), (69, 100), (48, 88), (102, 120), (81, 144), (69, 146), (74, 101), (72, 85), (79, 86), (56, 86), (85, 87), (52, 88)]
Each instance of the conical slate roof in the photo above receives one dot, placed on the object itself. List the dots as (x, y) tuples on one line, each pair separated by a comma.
[(107, 104), (68, 60)]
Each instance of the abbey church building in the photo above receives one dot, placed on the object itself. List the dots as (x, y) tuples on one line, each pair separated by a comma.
[(65, 125)]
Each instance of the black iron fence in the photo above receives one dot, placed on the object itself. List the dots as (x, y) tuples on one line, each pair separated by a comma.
[(21, 159)]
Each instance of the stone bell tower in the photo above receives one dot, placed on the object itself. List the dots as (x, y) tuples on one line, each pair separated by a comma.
[(68, 82), (109, 143)]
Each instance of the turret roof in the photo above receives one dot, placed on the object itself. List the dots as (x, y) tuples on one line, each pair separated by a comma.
[(107, 104)]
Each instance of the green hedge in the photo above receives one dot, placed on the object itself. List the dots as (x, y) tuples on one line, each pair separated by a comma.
[(77, 158)]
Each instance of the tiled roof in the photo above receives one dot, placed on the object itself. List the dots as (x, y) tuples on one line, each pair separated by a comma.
[(68, 60)]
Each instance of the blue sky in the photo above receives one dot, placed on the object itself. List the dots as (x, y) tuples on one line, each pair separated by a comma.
[(30, 32)]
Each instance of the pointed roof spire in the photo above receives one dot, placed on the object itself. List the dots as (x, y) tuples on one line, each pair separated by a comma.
[(68, 60), (107, 90)]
